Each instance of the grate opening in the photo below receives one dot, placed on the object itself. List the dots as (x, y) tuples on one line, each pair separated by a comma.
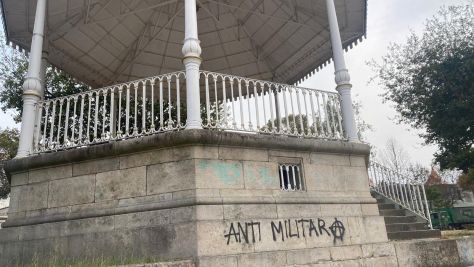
[(290, 177)]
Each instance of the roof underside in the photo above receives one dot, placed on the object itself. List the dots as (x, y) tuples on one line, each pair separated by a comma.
[(102, 42)]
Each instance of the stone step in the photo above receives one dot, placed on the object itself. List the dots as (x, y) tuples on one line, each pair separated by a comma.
[(386, 206), (404, 235), (392, 212), (399, 227), (399, 219)]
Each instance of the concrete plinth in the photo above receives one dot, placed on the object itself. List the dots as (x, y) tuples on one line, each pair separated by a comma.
[(213, 197)]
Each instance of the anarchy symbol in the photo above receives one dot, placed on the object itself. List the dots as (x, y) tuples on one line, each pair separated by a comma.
[(337, 230)]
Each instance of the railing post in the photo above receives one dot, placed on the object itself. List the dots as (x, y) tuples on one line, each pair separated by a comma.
[(33, 85), (427, 207), (342, 75), (192, 60)]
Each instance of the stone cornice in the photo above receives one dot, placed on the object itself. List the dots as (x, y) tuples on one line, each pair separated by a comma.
[(185, 138)]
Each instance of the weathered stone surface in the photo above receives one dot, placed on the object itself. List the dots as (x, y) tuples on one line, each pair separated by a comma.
[(369, 209), (380, 262), (378, 250), (330, 159), (346, 253), (9, 235), (307, 256), (212, 242), (145, 205), (120, 184), (71, 191), (359, 179), (126, 202), (142, 219), (219, 174), (237, 153), (14, 197), (20, 178), (268, 259), (466, 251), (261, 175), (375, 229), (341, 210), (286, 211), (40, 231), (32, 197), (209, 212), (355, 231), (357, 161), (219, 261), (86, 226), (50, 173), (427, 253), (320, 178), (95, 166), (342, 179), (168, 155), (170, 177), (249, 211), (346, 263)]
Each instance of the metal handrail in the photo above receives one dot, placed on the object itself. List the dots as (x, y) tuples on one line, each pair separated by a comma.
[(400, 189)]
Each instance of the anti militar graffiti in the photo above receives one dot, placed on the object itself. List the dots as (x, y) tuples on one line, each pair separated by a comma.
[(250, 232)]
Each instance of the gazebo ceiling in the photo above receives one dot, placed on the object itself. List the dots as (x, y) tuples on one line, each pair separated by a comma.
[(102, 42)]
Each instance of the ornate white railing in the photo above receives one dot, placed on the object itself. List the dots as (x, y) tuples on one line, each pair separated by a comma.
[(132, 109), (243, 104), (399, 189), (157, 104)]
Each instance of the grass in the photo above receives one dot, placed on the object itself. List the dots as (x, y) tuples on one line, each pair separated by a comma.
[(84, 262), (456, 233)]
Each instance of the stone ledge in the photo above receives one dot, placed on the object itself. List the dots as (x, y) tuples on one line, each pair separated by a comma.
[(177, 203), (185, 138)]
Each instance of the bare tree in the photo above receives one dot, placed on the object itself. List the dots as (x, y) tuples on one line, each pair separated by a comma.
[(417, 173), (394, 156)]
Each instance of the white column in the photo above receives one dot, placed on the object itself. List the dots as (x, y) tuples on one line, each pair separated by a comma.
[(342, 78), (192, 61), (32, 86), (44, 64)]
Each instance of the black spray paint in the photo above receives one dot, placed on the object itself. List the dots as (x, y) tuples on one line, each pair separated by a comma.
[(249, 232)]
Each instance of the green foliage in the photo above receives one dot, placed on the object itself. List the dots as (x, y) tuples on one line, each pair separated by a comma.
[(466, 181), (431, 81), (8, 148), (436, 199)]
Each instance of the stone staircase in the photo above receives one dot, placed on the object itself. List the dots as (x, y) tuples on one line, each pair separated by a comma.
[(401, 223)]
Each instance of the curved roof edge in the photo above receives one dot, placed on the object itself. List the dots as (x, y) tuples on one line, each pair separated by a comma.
[(297, 79)]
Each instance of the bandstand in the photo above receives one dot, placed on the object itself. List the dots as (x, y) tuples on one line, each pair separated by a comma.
[(195, 140)]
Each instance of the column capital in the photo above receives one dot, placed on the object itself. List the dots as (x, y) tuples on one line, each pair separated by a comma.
[(342, 77), (192, 48), (32, 84)]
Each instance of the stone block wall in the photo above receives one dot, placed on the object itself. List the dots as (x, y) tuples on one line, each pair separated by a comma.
[(199, 200)]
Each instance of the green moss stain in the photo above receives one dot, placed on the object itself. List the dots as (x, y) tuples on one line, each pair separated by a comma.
[(267, 178), (228, 173), (259, 174)]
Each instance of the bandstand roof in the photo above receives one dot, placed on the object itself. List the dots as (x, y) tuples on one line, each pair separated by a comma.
[(102, 42)]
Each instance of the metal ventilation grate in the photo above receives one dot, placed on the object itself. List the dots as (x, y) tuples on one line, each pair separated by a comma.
[(290, 177)]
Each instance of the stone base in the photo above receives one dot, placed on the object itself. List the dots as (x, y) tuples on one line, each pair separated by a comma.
[(196, 194)]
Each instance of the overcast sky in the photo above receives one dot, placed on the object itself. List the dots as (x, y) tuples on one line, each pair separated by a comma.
[(388, 21)]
